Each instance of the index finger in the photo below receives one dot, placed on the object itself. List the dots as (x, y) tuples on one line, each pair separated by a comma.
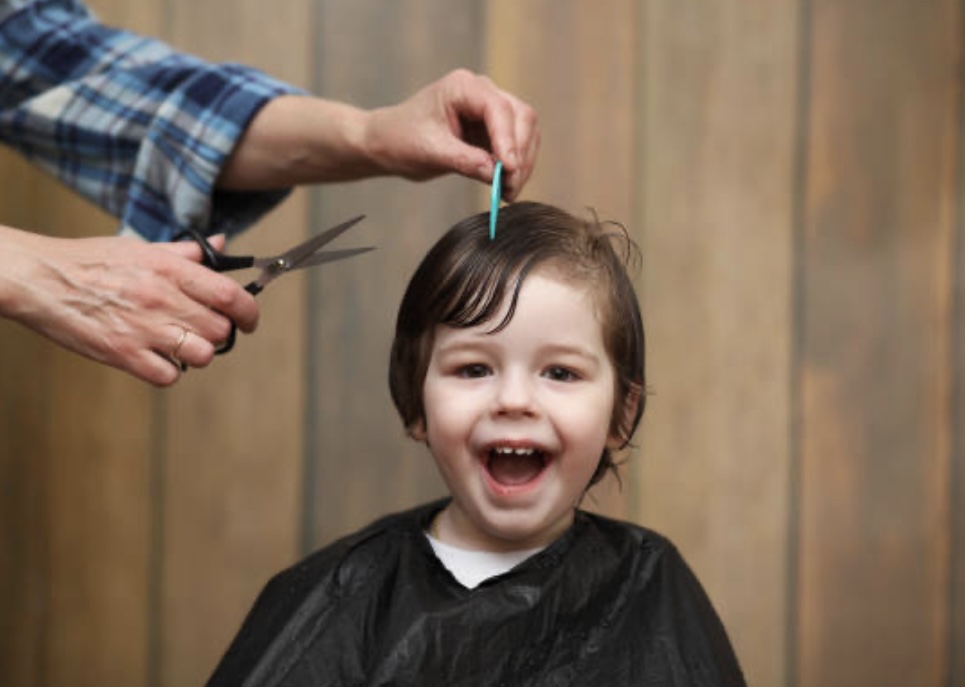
[(219, 293), (211, 290), (527, 142), (512, 128), (477, 98)]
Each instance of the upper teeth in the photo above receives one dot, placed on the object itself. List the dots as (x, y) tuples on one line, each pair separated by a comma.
[(518, 451)]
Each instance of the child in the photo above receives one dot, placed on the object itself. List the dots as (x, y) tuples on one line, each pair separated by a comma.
[(519, 361)]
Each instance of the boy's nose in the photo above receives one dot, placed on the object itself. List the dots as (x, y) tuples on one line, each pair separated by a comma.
[(515, 395)]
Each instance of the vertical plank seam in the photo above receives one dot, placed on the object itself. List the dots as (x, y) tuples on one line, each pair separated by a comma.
[(155, 567), (956, 471), (802, 133), (306, 527), (44, 643), (638, 208), (157, 449)]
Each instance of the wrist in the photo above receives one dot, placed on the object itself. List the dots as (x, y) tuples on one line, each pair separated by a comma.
[(348, 149), (374, 143), (19, 250)]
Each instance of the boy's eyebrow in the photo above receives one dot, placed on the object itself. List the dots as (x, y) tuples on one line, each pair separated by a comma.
[(463, 345), (566, 349), (477, 344)]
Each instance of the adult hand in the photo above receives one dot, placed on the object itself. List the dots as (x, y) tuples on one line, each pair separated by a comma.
[(136, 306), (457, 124)]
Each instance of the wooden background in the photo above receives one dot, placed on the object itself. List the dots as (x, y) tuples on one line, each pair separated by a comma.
[(793, 173)]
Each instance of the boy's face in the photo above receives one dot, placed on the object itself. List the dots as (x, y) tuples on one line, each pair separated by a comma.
[(517, 420)]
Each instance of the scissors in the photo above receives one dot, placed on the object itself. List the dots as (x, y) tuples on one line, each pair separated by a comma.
[(305, 254)]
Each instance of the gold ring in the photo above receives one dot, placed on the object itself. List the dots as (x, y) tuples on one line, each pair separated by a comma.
[(177, 346)]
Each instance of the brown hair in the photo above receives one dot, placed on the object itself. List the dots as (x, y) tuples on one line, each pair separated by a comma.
[(465, 277)]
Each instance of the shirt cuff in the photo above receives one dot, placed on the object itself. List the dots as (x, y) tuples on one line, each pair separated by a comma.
[(185, 148)]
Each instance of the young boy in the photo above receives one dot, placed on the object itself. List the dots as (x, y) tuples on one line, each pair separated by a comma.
[(519, 361)]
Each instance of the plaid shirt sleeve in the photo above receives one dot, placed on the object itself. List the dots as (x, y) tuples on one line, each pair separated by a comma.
[(137, 128)]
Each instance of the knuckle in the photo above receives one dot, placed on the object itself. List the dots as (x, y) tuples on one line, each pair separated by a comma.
[(148, 298), (224, 294), (120, 347)]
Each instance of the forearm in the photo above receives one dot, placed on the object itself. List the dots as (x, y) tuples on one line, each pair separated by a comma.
[(138, 128), (297, 140)]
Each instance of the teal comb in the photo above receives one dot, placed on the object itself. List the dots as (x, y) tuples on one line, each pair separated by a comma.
[(494, 202)]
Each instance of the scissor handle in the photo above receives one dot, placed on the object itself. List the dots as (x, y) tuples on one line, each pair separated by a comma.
[(219, 262), (211, 258), (228, 343)]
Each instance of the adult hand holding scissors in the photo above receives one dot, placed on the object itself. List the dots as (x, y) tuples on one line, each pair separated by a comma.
[(308, 253), (123, 302)]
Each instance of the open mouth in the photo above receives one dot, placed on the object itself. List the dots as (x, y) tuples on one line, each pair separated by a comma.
[(515, 466)]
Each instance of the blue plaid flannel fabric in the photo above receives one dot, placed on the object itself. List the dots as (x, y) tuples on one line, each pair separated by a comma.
[(132, 125)]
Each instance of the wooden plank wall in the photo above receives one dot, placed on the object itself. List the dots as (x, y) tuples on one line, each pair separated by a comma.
[(715, 199), (792, 170), (875, 334)]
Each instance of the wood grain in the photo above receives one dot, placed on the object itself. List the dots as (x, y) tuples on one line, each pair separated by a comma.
[(956, 635), (716, 132), (955, 640), (875, 358)]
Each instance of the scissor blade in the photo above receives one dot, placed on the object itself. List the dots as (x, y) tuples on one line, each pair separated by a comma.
[(293, 256), (331, 256)]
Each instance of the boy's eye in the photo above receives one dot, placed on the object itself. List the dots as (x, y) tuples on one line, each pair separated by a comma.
[(560, 374), (472, 371)]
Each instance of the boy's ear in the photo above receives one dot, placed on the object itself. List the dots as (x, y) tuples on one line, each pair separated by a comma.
[(417, 430), (631, 403)]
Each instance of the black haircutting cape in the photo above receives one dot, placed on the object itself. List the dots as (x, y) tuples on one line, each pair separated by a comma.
[(607, 604)]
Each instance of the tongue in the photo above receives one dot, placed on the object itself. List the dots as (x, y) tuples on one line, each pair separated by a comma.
[(513, 469)]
